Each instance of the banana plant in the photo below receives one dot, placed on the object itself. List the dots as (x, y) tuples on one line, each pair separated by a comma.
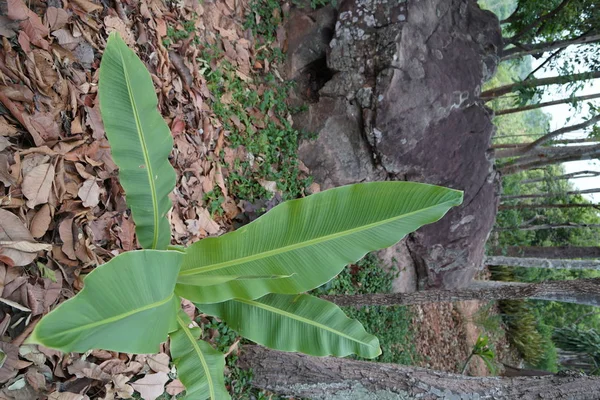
[(253, 278)]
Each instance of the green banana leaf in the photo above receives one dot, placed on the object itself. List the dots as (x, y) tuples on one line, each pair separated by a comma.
[(126, 305), (140, 141), (311, 239), (199, 367), (301, 323)]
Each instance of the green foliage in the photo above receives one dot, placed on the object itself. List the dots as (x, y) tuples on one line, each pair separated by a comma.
[(271, 149), (580, 341), (482, 350), (392, 325), (200, 367), (303, 243), (314, 4), (132, 302), (265, 18), (296, 323), (526, 329), (140, 141), (127, 305)]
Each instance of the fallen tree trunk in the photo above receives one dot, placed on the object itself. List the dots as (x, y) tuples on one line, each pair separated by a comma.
[(579, 291), (299, 375), (556, 263), (546, 251)]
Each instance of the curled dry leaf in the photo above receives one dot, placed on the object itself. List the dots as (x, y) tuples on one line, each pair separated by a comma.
[(152, 385), (12, 230), (89, 193), (37, 184), (41, 222)]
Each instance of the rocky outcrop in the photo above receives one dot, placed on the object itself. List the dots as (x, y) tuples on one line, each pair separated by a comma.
[(394, 95)]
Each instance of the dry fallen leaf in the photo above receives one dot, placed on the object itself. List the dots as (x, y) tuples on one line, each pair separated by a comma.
[(37, 184), (81, 369), (67, 396), (175, 387), (65, 231), (87, 6), (40, 222), (158, 362), (116, 24), (13, 230), (151, 386), (56, 18), (122, 388), (30, 23), (89, 193)]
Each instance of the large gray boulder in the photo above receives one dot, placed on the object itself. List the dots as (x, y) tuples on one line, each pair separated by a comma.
[(394, 95)]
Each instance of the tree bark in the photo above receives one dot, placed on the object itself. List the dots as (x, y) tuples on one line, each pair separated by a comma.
[(548, 156), (552, 263), (547, 104), (553, 80), (320, 378), (549, 195), (547, 226), (535, 206), (554, 252), (528, 147), (580, 291), (530, 49), (572, 175)]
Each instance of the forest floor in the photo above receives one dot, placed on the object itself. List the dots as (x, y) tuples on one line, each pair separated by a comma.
[(234, 153)]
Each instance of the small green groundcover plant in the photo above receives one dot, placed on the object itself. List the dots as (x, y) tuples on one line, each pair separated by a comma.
[(253, 278)]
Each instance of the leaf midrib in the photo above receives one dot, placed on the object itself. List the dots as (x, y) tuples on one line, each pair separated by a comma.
[(116, 317), (300, 319), (188, 333), (300, 245), (150, 174)]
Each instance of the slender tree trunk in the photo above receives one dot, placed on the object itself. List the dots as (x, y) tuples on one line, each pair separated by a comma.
[(553, 252), (547, 104), (525, 148), (547, 195), (511, 136), (551, 263), (553, 80), (553, 142), (530, 49), (580, 291), (545, 156), (320, 378), (536, 206), (546, 226), (572, 175)]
